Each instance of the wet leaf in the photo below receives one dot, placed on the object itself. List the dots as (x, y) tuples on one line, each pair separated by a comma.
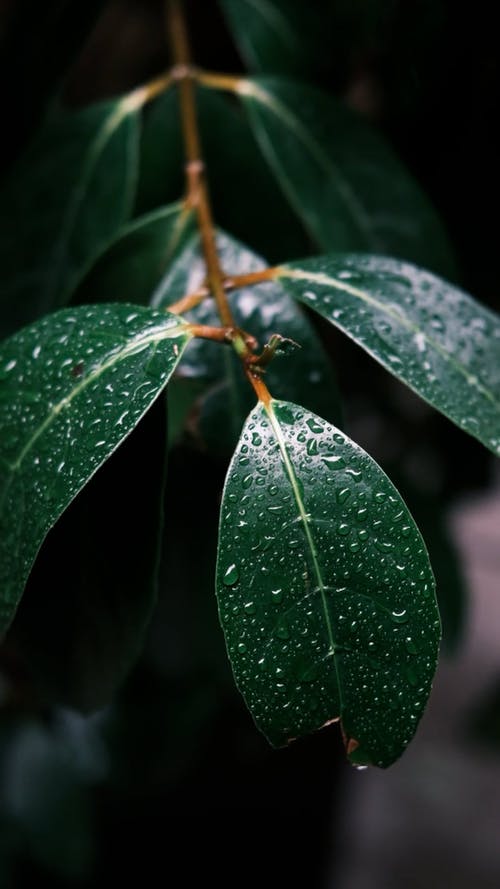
[(341, 177), (325, 591), (72, 386), (63, 202), (434, 337), (131, 267), (262, 310)]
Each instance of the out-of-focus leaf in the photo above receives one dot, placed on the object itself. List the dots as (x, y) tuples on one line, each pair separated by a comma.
[(246, 199), (432, 336), (325, 591), (63, 202), (341, 177), (131, 267), (72, 387), (280, 36), (261, 310)]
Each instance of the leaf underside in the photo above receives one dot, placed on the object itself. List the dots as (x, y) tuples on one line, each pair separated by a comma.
[(432, 336), (72, 386), (325, 592)]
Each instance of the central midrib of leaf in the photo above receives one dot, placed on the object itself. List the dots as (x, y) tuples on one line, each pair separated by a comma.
[(290, 471), (399, 317)]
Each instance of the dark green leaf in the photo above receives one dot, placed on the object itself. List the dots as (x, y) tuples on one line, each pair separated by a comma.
[(72, 386), (342, 179), (161, 156), (237, 175), (82, 618), (325, 591), (432, 336), (275, 36), (132, 266), (262, 310), (64, 201)]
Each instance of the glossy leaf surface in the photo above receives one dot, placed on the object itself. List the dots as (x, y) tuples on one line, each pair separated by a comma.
[(72, 386), (432, 336), (82, 618), (66, 198), (342, 179), (130, 269), (325, 591), (261, 310)]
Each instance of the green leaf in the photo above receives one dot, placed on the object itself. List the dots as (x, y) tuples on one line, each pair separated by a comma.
[(275, 36), (343, 180), (325, 591), (64, 201), (131, 267), (237, 176), (72, 386), (82, 619), (432, 336), (262, 310)]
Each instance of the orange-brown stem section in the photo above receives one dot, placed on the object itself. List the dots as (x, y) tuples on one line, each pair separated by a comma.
[(197, 191), (260, 388), (233, 282), (207, 332), (190, 301)]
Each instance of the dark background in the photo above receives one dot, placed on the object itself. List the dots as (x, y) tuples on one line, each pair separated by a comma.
[(173, 777)]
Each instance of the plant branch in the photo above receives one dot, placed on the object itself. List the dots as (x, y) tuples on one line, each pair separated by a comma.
[(229, 82), (149, 91), (197, 191)]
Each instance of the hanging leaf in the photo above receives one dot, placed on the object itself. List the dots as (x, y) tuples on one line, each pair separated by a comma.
[(432, 336), (72, 386), (325, 591), (236, 174), (130, 268), (262, 310), (63, 202), (275, 36), (82, 619), (341, 177)]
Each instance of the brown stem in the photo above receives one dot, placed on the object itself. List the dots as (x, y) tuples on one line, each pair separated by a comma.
[(230, 282), (190, 301), (234, 282), (195, 168), (260, 388), (207, 332), (229, 82)]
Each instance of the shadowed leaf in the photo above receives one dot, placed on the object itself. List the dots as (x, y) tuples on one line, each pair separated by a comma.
[(341, 177), (63, 202)]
